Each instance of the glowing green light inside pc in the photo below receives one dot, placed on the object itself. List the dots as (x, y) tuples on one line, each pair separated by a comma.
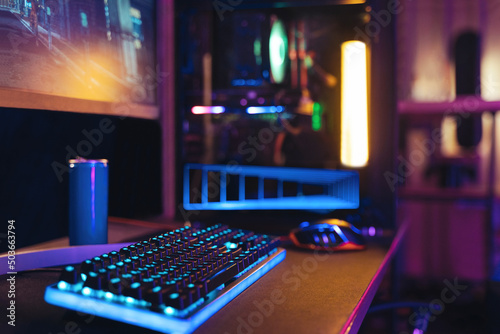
[(257, 51), (316, 116), (278, 48), (308, 62)]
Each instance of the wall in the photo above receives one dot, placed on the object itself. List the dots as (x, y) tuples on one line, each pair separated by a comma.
[(34, 148)]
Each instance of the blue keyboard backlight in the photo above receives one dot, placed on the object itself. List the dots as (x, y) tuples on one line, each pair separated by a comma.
[(169, 290)]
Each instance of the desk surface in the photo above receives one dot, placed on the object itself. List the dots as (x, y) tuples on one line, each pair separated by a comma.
[(306, 293)]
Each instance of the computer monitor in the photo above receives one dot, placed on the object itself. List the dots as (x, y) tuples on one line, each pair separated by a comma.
[(80, 56), (79, 78)]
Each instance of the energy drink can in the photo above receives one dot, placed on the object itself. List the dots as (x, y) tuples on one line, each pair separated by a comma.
[(88, 201)]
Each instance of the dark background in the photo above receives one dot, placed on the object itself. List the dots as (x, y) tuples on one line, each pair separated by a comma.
[(30, 191)]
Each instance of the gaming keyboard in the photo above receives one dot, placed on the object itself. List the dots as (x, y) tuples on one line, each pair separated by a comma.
[(172, 282)]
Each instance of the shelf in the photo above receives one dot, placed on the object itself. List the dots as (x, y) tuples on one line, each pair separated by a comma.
[(467, 104), (442, 194)]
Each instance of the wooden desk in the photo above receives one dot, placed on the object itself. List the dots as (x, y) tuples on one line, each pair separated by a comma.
[(306, 293)]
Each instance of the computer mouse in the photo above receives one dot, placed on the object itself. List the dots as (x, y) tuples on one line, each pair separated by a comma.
[(329, 235)]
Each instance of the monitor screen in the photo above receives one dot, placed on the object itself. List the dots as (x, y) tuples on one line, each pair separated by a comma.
[(96, 56)]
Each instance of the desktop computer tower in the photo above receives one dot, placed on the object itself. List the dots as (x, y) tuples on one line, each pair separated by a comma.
[(250, 73)]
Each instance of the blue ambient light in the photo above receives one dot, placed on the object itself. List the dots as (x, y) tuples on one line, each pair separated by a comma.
[(340, 188), (231, 245), (304, 224), (86, 291), (340, 233), (169, 310), (62, 285), (264, 110)]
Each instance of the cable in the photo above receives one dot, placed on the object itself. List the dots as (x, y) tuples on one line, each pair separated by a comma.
[(388, 306), (423, 320)]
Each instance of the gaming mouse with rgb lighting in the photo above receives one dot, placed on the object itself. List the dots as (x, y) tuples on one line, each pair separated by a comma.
[(329, 235)]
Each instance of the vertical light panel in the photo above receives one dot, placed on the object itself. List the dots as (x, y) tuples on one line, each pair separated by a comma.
[(354, 105), (278, 50)]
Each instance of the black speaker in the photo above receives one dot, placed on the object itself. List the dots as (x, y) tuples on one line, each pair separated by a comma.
[(467, 54)]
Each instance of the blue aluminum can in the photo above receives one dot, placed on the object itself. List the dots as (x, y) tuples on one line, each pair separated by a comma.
[(88, 202)]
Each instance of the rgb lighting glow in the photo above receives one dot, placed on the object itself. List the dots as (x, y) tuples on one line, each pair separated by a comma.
[(278, 48), (257, 51), (354, 104), (264, 110), (316, 116), (341, 188), (86, 291), (231, 245), (340, 233), (62, 285), (200, 110)]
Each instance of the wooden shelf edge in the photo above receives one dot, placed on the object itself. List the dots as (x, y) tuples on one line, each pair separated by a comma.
[(451, 194), (467, 104)]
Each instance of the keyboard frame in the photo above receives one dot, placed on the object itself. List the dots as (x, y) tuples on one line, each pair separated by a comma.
[(182, 323)]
